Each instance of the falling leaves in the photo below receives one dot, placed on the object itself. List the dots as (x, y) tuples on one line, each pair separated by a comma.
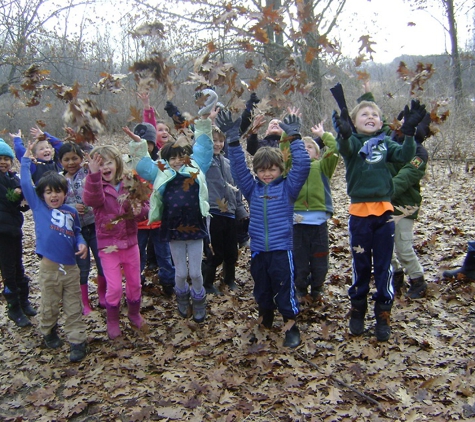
[(416, 78), (222, 205), (358, 249), (85, 118), (111, 82)]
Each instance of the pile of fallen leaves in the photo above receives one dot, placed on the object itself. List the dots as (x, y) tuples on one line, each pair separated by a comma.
[(181, 370)]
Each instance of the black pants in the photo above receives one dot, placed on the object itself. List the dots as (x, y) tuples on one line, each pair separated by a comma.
[(11, 266), (223, 233)]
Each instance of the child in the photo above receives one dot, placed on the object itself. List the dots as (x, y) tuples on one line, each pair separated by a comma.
[(312, 209), (162, 129), (180, 201), (116, 229), (44, 149), (15, 283), (271, 200), (71, 158), (370, 187), (226, 208), (58, 236)]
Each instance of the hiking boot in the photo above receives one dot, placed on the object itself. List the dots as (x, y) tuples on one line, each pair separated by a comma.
[(417, 288), (267, 317), (292, 337), (382, 312), (16, 314), (28, 310), (168, 289), (52, 339), (468, 267), (358, 312), (78, 352)]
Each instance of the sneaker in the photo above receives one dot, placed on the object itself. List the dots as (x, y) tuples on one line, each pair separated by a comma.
[(52, 340), (78, 352)]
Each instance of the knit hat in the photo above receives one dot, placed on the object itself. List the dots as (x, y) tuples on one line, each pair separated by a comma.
[(6, 150), (146, 131)]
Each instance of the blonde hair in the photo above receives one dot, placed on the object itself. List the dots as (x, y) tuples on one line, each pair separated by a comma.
[(266, 158), (310, 140), (111, 152), (364, 104)]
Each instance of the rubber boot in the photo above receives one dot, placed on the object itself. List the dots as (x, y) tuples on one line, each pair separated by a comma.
[(113, 316), (77, 352), (101, 290), (134, 314), (86, 307), (229, 276), (398, 281), (183, 302), (358, 312), (15, 313), (468, 267), (267, 317), (52, 339), (199, 305), (382, 313), (292, 336), (417, 288), (24, 294), (209, 274)]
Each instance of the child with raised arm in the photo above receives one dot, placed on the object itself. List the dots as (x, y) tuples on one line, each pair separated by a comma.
[(58, 242), (271, 200), (116, 229), (370, 187), (180, 200), (15, 283)]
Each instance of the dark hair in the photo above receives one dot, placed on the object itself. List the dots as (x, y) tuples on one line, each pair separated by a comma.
[(267, 157), (52, 180), (172, 149), (70, 147)]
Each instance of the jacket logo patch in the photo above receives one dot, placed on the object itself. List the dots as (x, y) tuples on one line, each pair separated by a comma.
[(416, 162)]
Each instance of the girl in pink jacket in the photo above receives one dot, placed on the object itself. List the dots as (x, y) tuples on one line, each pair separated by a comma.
[(116, 228)]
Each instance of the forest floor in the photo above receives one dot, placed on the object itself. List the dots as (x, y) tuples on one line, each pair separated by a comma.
[(185, 371)]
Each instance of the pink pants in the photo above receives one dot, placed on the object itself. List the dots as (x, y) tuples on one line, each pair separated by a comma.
[(113, 263)]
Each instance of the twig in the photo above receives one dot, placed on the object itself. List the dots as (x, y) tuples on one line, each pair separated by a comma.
[(342, 383)]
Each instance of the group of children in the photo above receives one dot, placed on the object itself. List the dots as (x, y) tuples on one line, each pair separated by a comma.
[(196, 200)]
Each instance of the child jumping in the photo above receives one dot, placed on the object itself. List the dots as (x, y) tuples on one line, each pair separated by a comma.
[(116, 228), (58, 237)]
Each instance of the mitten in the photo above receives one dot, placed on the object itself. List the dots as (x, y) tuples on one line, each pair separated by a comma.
[(171, 109), (210, 101), (412, 117), (291, 125), (342, 123), (225, 124), (253, 100)]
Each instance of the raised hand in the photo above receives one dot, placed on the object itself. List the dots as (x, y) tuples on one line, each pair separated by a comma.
[(342, 123), (291, 125), (211, 98), (412, 117), (131, 134), (36, 132), (317, 130), (225, 123)]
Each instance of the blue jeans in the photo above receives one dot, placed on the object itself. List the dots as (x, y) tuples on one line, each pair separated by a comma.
[(89, 234), (166, 271)]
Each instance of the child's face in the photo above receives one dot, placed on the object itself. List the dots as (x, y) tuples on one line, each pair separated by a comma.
[(108, 169), (5, 163), (54, 199), (218, 143), (176, 163), (43, 151), (71, 162), (269, 175), (312, 151), (368, 121), (274, 128), (162, 132)]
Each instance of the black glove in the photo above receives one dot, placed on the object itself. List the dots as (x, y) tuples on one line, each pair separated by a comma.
[(225, 123), (253, 100), (291, 125), (342, 123), (412, 117)]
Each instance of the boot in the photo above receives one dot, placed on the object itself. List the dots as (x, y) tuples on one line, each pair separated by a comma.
[(199, 305), (229, 277), (24, 294), (134, 314), (267, 317), (209, 274), (292, 337), (168, 289), (77, 352), (398, 281), (183, 301), (101, 290), (52, 339), (113, 316), (85, 300), (417, 288), (15, 313), (358, 312), (382, 312), (468, 267)]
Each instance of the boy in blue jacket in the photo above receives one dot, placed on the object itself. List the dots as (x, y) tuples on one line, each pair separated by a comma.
[(271, 200)]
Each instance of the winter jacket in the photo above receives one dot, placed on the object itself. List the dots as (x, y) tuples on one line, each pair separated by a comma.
[(369, 180), (11, 217), (271, 205), (74, 196), (108, 206), (162, 173), (221, 189)]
